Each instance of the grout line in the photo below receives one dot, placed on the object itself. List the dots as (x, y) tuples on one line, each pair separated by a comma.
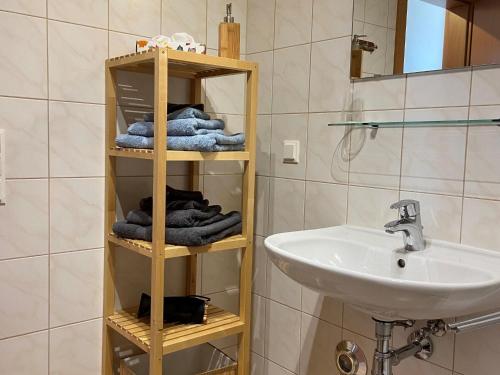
[(49, 243)]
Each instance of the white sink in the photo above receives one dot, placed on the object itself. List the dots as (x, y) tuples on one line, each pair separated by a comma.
[(360, 267)]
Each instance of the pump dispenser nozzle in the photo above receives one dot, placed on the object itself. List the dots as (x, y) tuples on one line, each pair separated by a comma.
[(229, 18)]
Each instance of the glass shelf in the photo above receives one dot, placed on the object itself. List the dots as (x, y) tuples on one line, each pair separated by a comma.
[(417, 124)]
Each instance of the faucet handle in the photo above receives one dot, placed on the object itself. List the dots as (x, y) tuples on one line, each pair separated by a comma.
[(407, 207)]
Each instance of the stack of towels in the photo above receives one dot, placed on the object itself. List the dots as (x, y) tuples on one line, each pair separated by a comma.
[(190, 220), (188, 129)]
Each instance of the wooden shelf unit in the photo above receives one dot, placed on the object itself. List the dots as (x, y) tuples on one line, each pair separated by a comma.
[(152, 336)]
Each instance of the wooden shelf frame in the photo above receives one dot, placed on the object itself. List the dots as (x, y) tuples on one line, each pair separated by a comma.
[(154, 337)]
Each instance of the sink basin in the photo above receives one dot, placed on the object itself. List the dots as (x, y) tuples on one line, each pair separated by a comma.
[(371, 270)]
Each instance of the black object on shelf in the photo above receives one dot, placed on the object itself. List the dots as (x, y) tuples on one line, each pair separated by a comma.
[(190, 309)]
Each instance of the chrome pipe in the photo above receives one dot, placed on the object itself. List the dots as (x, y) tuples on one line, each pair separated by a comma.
[(474, 323)]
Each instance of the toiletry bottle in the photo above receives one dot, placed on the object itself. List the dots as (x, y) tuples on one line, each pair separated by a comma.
[(229, 36)]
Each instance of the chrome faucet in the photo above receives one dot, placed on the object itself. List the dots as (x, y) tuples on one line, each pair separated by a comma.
[(409, 223)]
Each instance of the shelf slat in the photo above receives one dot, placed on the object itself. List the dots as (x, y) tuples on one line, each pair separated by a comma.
[(220, 323), (172, 251), (180, 155)]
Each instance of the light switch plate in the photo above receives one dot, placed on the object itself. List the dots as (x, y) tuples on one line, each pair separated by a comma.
[(291, 151), (2, 167)]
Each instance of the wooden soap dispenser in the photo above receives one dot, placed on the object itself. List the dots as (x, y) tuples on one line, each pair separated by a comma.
[(229, 36)]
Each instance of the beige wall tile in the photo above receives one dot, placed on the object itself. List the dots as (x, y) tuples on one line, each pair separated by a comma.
[(90, 12), (32, 7), (76, 139), (260, 267), (380, 94), (187, 16), (370, 207), (376, 12), (318, 338), (121, 44), (23, 65), (15, 350), (24, 219), (321, 306), (328, 91), (286, 206), (25, 123), (281, 288), (485, 87), (478, 218), (135, 17), (263, 158), (324, 12), (76, 286), (76, 347), (260, 26), (261, 214), (291, 79), (225, 95), (283, 336), (265, 61), (224, 190), (326, 205), (258, 324), (438, 89), (79, 75), (358, 322), (77, 213), (293, 22), (24, 286), (220, 271)]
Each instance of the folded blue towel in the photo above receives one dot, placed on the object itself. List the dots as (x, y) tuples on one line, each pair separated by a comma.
[(180, 127), (205, 143), (188, 112)]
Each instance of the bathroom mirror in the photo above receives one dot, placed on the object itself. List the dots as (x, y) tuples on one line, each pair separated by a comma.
[(392, 37)]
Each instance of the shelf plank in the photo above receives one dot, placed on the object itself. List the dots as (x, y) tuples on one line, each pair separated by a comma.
[(172, 251), (180, 155), (183, 64), (220, 323)]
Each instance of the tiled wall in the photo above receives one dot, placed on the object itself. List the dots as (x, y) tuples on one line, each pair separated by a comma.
[(51, 229), (303, 50)]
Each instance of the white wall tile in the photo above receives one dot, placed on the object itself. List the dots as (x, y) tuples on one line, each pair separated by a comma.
[(288, 128), (478, 351), (265, 96), (485, 86), (376, 12), (286, 206), (327, 149), (477, 230), (90, 12), (77, 214), (321, 306), (318, 340), (326, 205), (291, 79), (260, 26), (258, 324), (293, 22), (76, 139), (328, 91), (25, 124), (32, 7), (76, 62), (369, 207), (442, 89), (225, 94), (188, 16), (25, 355), (121, 44), (259, 267), (433, 209), (263, 148), (23, 65), (376, 154), (482, 173), (220, 271), (76, 347), (76, 286), (135, 17), (261, 214), (281, 288), (24, 286), (224, 190), (379, 94), (24, 219), (331, 19), (283, 336)]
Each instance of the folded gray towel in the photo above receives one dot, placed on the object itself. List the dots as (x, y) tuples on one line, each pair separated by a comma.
[(177, 218), (228, 225), (179, 127), (205, 143)]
